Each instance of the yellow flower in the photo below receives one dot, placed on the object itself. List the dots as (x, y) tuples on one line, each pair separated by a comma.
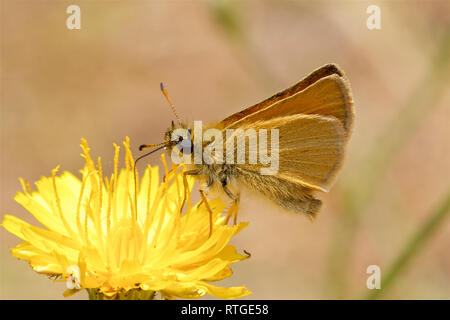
[(95, 238)]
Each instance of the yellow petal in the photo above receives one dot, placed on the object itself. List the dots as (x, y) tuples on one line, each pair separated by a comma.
[(227, 293)]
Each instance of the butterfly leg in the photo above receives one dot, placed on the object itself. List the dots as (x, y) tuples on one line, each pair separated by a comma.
[(202, 194), (232, 211), (186, 187), (205, 201)]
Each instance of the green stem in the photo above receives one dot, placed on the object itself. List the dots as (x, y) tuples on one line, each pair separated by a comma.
[(355, 196), (413, 246), (134, 294)]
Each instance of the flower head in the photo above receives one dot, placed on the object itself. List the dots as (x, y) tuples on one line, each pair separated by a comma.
[(99, 236)]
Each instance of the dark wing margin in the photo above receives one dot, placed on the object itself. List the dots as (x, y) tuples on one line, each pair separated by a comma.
[(322, 72)]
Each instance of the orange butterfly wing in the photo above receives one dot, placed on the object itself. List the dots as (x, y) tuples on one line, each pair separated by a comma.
[(324, 92)]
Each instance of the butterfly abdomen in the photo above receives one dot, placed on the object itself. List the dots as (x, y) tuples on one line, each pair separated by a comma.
[(290, 196)]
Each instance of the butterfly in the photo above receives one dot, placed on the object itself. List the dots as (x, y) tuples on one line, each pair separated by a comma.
[(312, 122)]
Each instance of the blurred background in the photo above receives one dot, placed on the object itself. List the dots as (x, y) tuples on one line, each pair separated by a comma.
[(390, 202)]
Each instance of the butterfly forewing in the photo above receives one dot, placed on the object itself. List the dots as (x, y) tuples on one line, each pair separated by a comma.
[(310, 149), (324, 92)]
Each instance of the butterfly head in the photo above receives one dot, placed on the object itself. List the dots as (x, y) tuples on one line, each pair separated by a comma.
[(179, 136)]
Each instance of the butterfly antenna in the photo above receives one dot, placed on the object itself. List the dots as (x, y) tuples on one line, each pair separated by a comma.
[(150, 146), (166, 94)]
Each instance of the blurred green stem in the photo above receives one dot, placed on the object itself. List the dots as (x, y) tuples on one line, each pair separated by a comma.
[(367, 177), (227, 15), (435, 219), (133, 294)]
